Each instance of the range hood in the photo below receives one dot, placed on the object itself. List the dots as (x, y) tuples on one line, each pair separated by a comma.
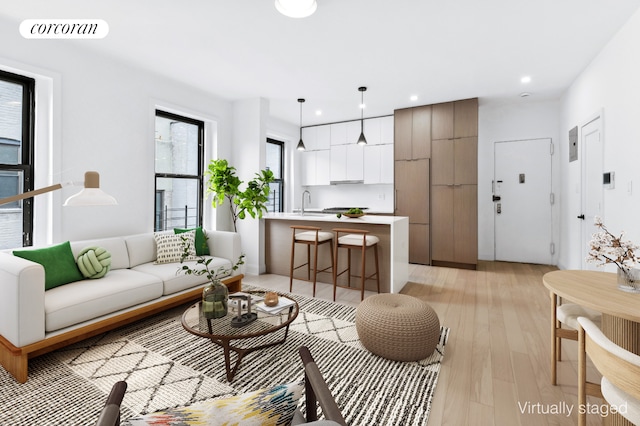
[(342, 182)]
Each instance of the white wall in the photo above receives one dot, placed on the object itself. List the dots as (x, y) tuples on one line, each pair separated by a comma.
[(609, 84), (521, 120)]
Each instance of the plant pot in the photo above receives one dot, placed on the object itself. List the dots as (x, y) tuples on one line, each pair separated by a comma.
[(215, 300)]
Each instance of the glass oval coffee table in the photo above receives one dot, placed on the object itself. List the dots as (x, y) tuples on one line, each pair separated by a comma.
[(268, 329)]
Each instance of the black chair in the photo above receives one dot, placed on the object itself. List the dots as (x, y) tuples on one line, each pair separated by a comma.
[(316, 392), (110, 414)]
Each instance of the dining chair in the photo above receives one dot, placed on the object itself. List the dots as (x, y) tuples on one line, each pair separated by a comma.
[(620, 371), (565, 314)]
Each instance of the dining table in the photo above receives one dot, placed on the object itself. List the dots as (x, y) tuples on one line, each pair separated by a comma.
[(599, 291)]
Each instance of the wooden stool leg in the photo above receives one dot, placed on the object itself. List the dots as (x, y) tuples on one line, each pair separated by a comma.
[(293, 252), (375, 251), (349, 267), (335, 268), (308, 261), (315, 267), (363, 275)]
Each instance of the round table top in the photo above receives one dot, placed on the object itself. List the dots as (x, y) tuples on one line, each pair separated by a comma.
[(596, 290), (221, 329)]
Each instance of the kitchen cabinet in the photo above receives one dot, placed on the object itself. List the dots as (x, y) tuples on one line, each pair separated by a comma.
[(347, 163), (454, 189), (309, 137), (454, 224), (412, 133), (323, 137), (412, 191), (379, 130), (345, 133), (378, 164), (315, 167)]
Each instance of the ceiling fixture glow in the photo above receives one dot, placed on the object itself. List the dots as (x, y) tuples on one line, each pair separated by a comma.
[(296, 8), (362, 140), (526, 79), (300, 146), (318, 112), (413, 98)]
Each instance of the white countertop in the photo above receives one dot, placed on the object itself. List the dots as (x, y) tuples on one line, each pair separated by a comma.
[(331, 217)]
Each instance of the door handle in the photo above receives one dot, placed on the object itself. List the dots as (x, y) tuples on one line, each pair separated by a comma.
[(581, 217)]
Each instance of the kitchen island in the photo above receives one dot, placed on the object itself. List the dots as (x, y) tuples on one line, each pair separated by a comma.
[(393, 248)]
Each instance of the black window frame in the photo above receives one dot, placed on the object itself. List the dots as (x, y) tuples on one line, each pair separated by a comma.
[(158, 194), (26, 166), (280, 181)]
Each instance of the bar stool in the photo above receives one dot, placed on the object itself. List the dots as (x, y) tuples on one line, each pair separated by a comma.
[(354, 239), (310, 236)]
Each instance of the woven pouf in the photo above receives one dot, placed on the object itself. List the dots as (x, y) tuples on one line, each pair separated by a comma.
[(397, 327)]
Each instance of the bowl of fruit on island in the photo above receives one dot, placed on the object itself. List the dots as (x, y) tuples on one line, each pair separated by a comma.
[(353, 213)]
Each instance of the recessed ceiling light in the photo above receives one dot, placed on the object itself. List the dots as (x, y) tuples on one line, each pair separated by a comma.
[(526, 79), (318, 112), (413, 98), (296, 8)]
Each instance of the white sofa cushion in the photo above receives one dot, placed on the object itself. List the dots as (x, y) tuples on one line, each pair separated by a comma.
[(174, 279), (142, 249), (88, 299), (116, 246)]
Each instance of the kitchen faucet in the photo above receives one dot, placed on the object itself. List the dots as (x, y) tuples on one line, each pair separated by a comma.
[(302, 206)]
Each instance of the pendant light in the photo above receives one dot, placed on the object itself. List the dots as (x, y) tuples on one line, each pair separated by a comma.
[(362, 140), (300, 146), (296, 8)]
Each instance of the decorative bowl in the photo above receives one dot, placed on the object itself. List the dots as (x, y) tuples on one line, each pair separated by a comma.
[(353, 215)]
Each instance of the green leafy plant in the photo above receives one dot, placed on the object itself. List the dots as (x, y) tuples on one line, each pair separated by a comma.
[(205, 262), (225, 185)]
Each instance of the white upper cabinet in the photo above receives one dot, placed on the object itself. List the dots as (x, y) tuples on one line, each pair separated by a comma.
[(372, 131), (323, 138), (339, 134), (378, 164), (353, 132), (386, 130), (310, 137)]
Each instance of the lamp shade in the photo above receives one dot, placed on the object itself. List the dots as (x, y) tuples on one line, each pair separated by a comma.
[(91, 195), (296, 8)]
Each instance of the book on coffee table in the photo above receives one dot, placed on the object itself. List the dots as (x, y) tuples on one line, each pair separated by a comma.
[(283, 303)]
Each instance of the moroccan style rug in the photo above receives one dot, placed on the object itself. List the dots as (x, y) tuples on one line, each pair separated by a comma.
[(166, 367)]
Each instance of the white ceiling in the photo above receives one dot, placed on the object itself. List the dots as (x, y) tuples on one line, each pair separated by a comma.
[(438, 50)]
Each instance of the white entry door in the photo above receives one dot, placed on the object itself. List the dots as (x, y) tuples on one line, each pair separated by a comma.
[(522, 201), (592, 187)]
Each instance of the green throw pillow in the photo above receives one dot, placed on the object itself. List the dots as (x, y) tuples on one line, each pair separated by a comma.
[(58, 262), (94, 262), (202, 249)]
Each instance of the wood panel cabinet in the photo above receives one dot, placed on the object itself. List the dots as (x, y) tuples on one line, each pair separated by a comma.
[(454, 235), (412, 133), (412, 200), (455, 161)]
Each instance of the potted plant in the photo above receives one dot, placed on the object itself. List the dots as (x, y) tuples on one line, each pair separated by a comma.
[(224, 184), (605, 247), (215, 296)]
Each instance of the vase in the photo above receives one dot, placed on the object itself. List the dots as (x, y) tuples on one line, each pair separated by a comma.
[(629, 280), (215, 299)]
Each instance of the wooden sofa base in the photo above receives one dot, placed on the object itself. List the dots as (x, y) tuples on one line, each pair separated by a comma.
[(16, 359)]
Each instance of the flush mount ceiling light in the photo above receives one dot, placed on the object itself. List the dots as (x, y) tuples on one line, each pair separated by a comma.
[(526, 79), (296, 8), (362, 140), (300, 146)]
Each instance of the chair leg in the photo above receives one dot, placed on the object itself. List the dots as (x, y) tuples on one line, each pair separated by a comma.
[(293, 252), (375, 251), (363, 257), (315, 268), (554, 340), (335, 268), (308, 261)]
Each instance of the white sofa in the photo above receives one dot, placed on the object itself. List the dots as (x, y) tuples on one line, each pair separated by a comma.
[(34, 321)]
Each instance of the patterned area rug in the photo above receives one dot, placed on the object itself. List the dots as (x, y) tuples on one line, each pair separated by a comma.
[(166, 367)]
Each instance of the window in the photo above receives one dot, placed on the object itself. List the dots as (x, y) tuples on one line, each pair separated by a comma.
[(16, 158), (275, 163), (179, 167)]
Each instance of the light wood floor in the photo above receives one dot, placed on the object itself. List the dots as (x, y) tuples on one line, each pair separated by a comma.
[(496, 366)]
